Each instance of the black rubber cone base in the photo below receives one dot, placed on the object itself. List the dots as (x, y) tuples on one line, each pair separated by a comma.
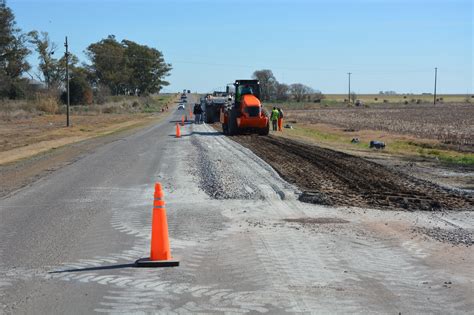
[(147, 263)]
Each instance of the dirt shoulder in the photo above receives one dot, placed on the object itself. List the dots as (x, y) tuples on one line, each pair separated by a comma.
[(32, 148)]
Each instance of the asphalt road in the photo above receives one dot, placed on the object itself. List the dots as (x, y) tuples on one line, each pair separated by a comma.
[(246, 245)]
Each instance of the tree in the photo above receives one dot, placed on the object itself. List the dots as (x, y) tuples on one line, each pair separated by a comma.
[(109, 64), (300, 91), (52, 70), (127, 67), (268, 84), (318, 96), (13, 53), (147, 68), (282, 91), (80, 91), (353, 96)]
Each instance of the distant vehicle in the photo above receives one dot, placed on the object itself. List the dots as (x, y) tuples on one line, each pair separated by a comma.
[(189, 91), (181, 107)]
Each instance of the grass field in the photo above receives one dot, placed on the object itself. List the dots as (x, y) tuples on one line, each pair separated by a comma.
[(442, 132), (331, 100), (399, 145)]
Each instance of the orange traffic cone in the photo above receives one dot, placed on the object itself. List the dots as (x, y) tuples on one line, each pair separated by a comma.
[(160, 253), (178, 131), (182, 120), (190, 114)]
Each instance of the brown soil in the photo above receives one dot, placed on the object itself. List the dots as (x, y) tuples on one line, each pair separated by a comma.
[(335, 178)]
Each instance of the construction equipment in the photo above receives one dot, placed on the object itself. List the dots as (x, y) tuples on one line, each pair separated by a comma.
[(245, 112), (213, 104)]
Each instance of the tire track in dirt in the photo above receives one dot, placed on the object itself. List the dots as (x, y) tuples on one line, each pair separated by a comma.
[(335, 178)]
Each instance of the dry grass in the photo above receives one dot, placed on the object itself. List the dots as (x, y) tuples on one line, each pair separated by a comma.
[(26, 130), (450, 124), (48, 104), (21, 138)]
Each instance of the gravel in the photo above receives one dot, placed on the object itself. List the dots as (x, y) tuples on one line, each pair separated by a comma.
[(456, 236), (216, 178)]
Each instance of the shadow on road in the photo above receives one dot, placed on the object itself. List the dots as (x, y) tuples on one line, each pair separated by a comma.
[(108, 267), (200, 133), (189, 122)]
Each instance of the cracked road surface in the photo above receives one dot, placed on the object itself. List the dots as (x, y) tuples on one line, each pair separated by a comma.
[(244, 241)]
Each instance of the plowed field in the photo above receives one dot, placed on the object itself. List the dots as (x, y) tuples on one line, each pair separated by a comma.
[(334, 178)]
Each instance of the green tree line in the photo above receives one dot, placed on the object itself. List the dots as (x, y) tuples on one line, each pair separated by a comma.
[(115, 67)]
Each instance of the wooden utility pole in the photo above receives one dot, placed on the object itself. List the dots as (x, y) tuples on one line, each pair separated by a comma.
[(436, 76), (349, 92), (67, 82)]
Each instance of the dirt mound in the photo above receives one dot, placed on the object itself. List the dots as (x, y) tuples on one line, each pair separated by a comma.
[(334, 178)]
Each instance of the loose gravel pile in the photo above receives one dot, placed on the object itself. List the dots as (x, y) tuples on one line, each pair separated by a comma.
[(456, 236), (216, 178)]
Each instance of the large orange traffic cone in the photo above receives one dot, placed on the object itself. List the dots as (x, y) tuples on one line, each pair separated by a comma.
[(178, 131), (160, 253)]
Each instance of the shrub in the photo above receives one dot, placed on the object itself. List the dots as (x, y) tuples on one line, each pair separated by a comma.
[(404, 96), (406, 102), (47, 103), (418, 101), (80, 91), (109, 110), (376, 98), (385, 101)]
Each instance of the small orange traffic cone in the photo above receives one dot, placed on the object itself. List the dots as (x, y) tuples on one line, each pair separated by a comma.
[(160, 253), (178, 131), (190, 114), (182, 120)]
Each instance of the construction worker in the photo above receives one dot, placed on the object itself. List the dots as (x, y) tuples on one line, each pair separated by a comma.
[(197, 111), (280, 119), (274, 118)]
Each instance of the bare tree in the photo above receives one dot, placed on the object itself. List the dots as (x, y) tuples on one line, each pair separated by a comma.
[(51, 70), (353, 96), (318, 96), (282, 91), (268, 84), (300, 91)]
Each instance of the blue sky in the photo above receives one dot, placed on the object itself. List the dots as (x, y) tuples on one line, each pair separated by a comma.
[(387, 45)]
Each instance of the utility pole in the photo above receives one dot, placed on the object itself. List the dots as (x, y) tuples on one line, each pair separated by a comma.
[(436, 76), (67, 82), (349, 92)]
